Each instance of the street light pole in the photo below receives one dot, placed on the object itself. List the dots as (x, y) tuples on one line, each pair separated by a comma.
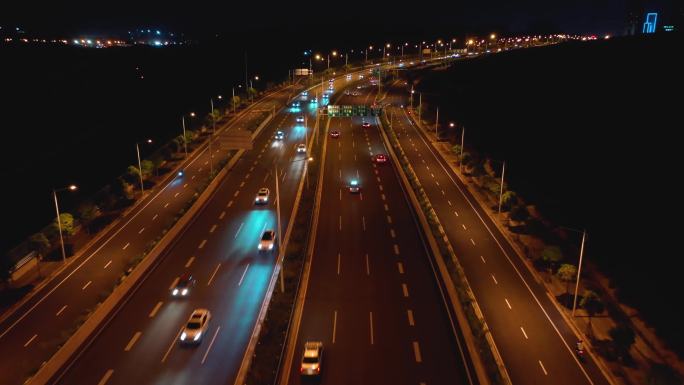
[(213, 119), (437, 124), (137, 150), (280, 240), (233, 100), (185, 138), (579, 271), (503, 170), (460, 162), (59, 226)]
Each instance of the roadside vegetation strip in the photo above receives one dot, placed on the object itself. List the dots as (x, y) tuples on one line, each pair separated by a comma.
[(88, 326), (486, 348)]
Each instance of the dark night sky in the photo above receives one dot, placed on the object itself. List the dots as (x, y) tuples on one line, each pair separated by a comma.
[(364, 19)]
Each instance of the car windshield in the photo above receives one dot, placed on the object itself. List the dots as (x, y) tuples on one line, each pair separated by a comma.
[(262, 192), (310, 360), (194, 325), (267, 236)]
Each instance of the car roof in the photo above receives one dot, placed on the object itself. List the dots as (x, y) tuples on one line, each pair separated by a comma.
[(185, 277), (197, 313), (263, 189)]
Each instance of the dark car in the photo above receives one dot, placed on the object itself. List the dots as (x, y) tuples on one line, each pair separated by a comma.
[(182, 288), (334, 134)]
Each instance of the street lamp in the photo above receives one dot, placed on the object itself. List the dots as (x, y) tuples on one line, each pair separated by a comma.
[(137, 151), (579, 266), (72, 187)]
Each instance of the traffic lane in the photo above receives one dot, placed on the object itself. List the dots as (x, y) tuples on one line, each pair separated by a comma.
[(534, 319), (248, 201), (383, 316), (433, 334), (94, 278)]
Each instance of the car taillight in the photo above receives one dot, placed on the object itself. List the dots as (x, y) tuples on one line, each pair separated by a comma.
[(301, 369), (318, 368)]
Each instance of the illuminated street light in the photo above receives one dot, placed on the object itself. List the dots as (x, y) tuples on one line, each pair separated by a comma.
[(59, 220)]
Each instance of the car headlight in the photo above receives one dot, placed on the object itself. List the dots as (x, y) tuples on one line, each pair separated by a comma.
[(175, 292), (184, 292), (183, 336), (259, 246), (270, 247), (197, 336)]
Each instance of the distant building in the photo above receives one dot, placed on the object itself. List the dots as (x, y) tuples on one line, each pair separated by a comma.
[(651, 23)]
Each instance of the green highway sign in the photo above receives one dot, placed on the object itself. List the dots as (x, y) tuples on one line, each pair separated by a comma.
[(353, 110)]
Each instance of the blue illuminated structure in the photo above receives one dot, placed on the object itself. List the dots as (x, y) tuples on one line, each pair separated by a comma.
[(650, 24)]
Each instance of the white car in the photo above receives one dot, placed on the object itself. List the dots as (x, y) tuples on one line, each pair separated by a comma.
[(196, 327), (301, 148), (262, 196), (300, 119), (312, 359), (267, 242)]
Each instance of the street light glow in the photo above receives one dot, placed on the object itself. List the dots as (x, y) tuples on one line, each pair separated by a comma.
[(73, 187), (492, 36)]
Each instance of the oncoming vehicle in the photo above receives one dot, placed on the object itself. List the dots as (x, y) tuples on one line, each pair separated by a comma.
[(380, 158), (334, 134), (312, 359), (354, 186), (267, 241), (300, 119), (196, 326), (301, 148), (262, 196), (279, 135), (365, 124), (182, 287)]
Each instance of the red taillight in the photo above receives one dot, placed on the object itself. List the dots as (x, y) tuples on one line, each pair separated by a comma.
[(318, 368), (301, 369)]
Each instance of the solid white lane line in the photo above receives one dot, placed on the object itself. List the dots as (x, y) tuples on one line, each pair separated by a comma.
[(334, 326), (108, 263), (367, 265), (464, 227), (141, 230), (30, 340), (61, 310), (86, 285), (155, 309), (389, 219), (214, 274), (155, 216), (339, 257), (126, 245), (106, 376), (189, 262), (411, 321), (523, 331), (508, 304), (210, 345), (396, 249), (392, 233), (132, 342), (212, 229), (400, 266), (229, 204), (404, 289), (201, 245), (173, 343), (494, 278), (176, 195), (166, 205), (371, 328), (223, 214), (471, 241), (363, 222), (416, 351), (243, 275), (543, 368)]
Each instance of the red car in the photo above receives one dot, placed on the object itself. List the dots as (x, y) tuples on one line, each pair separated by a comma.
[(380, 158), (334, 134), (365, 124)]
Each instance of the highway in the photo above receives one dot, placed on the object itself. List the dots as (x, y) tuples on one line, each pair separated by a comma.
[(220, 250), (535, 342), (372, 296)]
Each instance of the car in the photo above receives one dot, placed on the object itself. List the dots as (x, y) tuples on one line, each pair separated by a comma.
[(365, 124), (354, 186), (331, 80), (334, 134), (380, 158), (279, 135), (360, 77), (349, 77), (195, 327), (347, 92), (312, 359), (300, 119), (305, 93), (301, 148), (262, 196), (182, 287), (267, 241)]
